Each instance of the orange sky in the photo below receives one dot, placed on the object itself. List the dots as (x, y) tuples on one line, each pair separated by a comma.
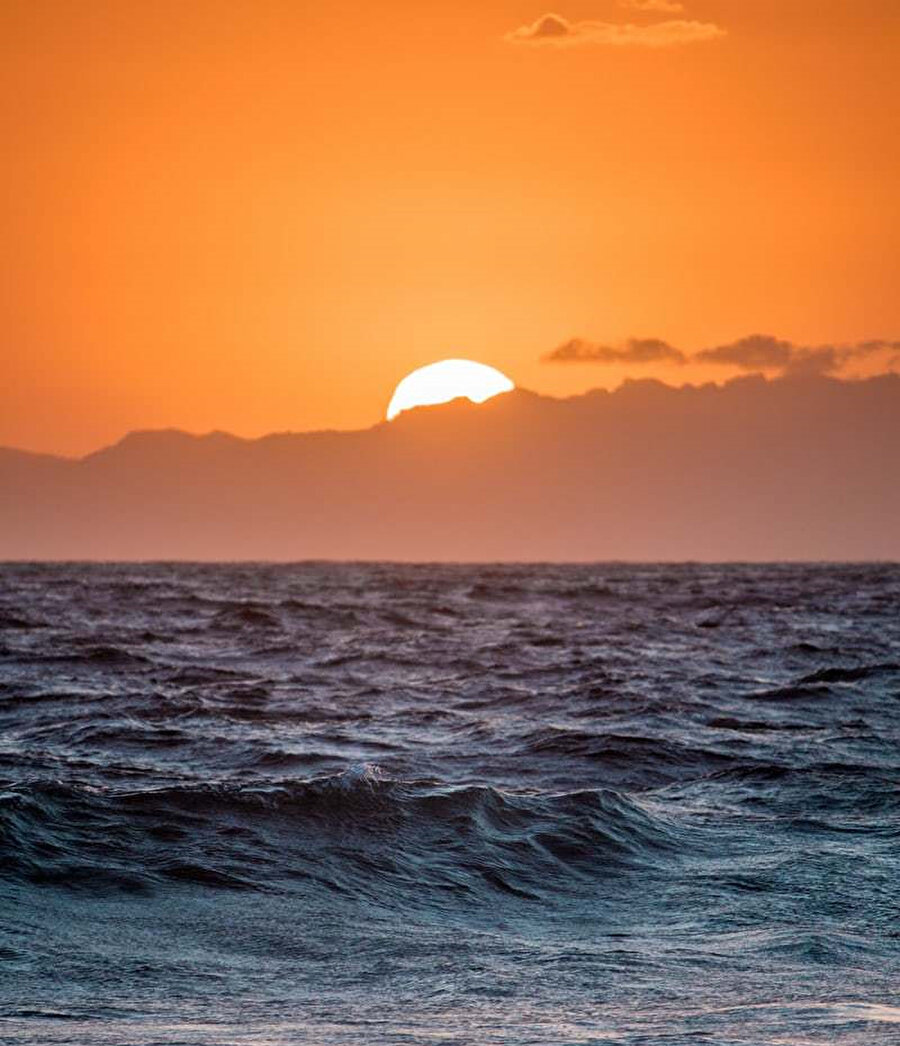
[(257, 215)]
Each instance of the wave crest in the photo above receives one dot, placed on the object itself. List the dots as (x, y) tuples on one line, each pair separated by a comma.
[(357, 832)]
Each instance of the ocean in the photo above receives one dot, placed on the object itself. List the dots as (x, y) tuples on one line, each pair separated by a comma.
[(378, 803)]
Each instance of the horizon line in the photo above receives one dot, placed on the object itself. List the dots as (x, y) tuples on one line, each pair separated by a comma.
[(506, 563)]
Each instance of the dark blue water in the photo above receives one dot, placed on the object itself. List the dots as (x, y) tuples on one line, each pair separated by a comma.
[(423, 804)]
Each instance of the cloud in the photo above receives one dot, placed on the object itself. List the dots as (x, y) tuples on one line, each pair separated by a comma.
[(549, 27), (635, 350), (763, 352), (662, 6), (554, 31), (756, 352)]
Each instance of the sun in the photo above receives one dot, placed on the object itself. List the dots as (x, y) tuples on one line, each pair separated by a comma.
[(447, 380)]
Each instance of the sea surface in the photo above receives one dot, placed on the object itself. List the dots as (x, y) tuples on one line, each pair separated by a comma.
[(344, 804)]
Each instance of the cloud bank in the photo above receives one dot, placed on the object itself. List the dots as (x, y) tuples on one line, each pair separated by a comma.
[(756, 352), (555, 31)]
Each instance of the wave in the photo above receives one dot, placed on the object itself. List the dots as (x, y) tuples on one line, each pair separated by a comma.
[(12, 621), (100, 655), (651, 760), (815, 685), (358, 832), (853, 674), (240, 616)]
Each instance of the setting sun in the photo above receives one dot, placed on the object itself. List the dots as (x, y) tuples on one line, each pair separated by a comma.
[(447, 380)]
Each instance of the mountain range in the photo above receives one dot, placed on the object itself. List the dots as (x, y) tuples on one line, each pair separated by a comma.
[(789, 469)]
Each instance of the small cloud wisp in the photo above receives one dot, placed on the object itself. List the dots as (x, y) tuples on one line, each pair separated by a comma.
[(635, 350), (669, 7), (555, 31)]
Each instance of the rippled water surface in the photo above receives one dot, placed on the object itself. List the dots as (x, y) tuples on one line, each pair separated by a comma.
[(425, 804)]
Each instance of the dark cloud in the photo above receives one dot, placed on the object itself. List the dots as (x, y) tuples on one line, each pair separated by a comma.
[(763, 352), (635, 350), (756, 352), (555, 31)]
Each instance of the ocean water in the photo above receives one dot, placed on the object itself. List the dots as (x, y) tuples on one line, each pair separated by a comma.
[(344, 804)]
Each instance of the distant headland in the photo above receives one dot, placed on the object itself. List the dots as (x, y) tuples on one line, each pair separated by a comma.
[(795, 468)]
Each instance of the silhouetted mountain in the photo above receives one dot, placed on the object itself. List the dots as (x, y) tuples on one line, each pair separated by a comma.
[(788, 469)]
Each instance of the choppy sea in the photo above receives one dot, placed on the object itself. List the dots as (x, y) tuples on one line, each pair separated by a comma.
[(345, 804)]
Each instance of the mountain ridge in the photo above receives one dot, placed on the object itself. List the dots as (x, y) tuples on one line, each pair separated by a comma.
[(753, 469)]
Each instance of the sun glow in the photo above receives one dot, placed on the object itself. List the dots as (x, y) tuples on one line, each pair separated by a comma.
[(447, 380)]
